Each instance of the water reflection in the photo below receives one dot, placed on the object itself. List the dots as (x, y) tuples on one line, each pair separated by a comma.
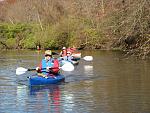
[(47, 96), (21, 96), (105, 85), (88, 69)]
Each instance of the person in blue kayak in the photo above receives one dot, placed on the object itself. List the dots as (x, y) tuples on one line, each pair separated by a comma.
[(48, 66), (68, 57)]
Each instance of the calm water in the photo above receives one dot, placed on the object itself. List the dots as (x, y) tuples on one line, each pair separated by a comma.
[(108, 84)]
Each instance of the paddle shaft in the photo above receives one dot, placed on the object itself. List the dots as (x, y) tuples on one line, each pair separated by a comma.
[(31, 69), (65, 67), (42, 69)]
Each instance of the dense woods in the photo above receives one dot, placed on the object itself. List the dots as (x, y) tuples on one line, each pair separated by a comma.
[(85, 24)]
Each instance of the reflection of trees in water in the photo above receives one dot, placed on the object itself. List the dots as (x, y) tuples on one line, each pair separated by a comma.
[(47, 97)]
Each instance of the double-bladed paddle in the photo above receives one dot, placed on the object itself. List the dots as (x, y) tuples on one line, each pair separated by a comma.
[(65, 67)]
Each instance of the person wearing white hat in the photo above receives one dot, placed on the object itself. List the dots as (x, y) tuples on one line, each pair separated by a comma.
[(63, 52), (47, 63)]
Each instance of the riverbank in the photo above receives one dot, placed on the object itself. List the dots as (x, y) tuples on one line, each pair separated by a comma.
[(91, 25)]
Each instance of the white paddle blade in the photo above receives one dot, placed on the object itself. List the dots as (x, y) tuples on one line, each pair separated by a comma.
[(88, 58), (20, 70), (67, 67)]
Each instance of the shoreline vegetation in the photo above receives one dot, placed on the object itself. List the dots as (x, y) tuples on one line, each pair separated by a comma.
[(108, 25)]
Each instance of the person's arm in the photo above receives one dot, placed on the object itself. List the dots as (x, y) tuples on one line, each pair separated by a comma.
[(60, 54), (65, 58), (70, 58)]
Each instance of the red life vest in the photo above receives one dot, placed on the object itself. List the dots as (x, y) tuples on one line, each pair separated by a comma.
[(56, 66)]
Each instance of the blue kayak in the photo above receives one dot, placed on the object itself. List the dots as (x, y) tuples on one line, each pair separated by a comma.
[(39, 80)]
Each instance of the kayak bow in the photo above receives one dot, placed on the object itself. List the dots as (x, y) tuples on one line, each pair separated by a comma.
[(39, 80)]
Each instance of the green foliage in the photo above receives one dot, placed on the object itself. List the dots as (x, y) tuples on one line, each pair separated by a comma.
[(68, 32), (121, 24), (11, 42), (29, 43), (11, 30), (16, 35)]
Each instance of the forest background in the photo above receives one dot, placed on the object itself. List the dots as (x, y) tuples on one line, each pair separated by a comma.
[(85, 24)]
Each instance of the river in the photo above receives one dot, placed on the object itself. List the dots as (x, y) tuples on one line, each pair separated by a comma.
[(108, 84)]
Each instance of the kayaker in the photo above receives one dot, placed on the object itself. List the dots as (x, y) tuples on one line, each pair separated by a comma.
[(48, 65), (63, 52), (71, 49), (68, 57)]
